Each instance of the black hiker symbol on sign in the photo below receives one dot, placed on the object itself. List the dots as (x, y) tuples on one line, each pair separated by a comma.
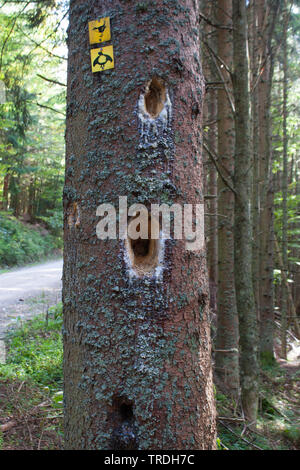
[(102, 59)]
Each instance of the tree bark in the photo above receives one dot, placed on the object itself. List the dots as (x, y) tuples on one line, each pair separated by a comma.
[(227, 363), (212, 248), (284, 188), (266, 17), (210, 116), (5, 191), (242, 223), (137, 347), (254, 66)]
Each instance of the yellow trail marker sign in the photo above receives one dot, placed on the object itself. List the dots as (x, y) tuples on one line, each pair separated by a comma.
[(99, 30), (102, 58)]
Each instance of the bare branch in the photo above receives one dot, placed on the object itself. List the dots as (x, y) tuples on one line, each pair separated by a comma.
[(215, 59), (218, 58), (49, 107), (51, 80), (218, 168), (40, 46), (208, 21)]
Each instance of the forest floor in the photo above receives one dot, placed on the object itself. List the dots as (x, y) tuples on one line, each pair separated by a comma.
[(278, 426), (31, 384), (31, 395)]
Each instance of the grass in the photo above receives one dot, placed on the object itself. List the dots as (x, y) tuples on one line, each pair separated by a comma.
[(22, 244), (31, 385), (35, 351)]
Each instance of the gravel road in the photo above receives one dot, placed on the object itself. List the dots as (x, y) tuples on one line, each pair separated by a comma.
[(24, 292)]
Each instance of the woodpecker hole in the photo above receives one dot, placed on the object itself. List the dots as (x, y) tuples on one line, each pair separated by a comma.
[(124, 434), (73, 215), (126, 412), (155, 97), (143, 253), (123, 409)]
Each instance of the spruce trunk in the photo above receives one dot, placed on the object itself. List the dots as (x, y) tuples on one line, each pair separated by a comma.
[(137, 347), (242, 223), (227, 355)]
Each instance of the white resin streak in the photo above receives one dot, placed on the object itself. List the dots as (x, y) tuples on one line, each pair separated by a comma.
[(152, 129)]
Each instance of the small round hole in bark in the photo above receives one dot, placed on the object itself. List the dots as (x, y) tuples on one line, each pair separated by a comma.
[(155, 97)]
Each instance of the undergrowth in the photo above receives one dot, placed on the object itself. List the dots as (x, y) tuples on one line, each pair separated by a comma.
[(31, 396), (278, 424), (21, 243), (31, 384)]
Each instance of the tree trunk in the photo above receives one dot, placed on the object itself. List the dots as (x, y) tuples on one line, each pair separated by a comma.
[(293, 316), (212, 249), (227, 356), (255, 61), (208, 35), (31, 200), (137, 348), (5, 191), (266, 17), (242, 228), (15, 191), (284, 292)]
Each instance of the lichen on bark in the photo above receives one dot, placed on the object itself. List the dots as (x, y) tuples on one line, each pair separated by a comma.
[(137, 343)]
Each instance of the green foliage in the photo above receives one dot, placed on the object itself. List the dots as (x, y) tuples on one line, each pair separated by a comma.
[(35, 353), (268, 408), (57, 399), (31, 384), (220, 445), (292, 432), (54, 222), (32, 115), (37, 16), (21, 244), (267, 359), (56, 312), (293, 134)]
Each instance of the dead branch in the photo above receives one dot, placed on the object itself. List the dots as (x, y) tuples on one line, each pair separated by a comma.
[(51, 80), (208, 21), (240, 437), (215, 162), (7, 426)]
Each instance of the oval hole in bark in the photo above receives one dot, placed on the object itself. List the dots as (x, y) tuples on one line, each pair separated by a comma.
[(155, 97), (143, 253), (123, 409), (123, 436), (126, 412), (73, 215)]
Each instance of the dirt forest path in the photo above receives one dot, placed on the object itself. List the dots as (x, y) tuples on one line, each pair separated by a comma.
[(24, 292)]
